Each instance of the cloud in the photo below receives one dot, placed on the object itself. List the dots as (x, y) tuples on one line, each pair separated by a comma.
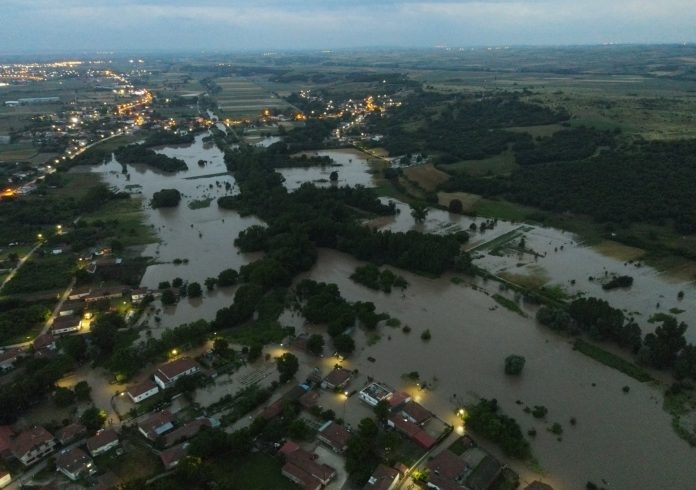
[(276, 24)]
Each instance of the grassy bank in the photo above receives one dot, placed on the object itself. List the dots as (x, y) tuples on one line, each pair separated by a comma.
[(612, 360)]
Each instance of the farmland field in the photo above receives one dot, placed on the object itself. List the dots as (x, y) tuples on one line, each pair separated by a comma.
[(241, 97)]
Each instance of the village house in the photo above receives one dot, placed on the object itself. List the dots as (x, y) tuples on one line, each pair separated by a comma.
[(157, 424), (79, 293), (104, 294), (309, 400), (374, 393), (167, 374), (32, 445), (412, 431), (473, 469), (186, 431), (71, 308), (383, 478), (8, 358), (44, 343), (65, 324), (71, 433), (303, 468), (416, 413), (74, 463), (337, 379), (276, 408), (174, 455), (142, 391), (102, 441), (334, 435)]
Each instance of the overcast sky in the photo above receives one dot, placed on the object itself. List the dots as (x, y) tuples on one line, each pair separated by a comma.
[(89, 25)]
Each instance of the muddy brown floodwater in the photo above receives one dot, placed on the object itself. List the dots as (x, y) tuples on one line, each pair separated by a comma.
[(624, 439)]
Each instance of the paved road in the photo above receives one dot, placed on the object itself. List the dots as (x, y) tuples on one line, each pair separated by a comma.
[(26, 257)]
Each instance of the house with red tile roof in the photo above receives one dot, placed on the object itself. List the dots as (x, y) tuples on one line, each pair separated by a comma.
[(142, 391), (412, 431), (303, 467), (383, 478), (102, 441), (157, 424), (71, 433), (186, 431), (416, 413), (337, 379), (334, 435), (32, 445), (74, 463), (174, 455), (44, 341), (65, 324), (167, 374)]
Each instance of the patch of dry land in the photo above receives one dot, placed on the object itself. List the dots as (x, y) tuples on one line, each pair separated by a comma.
[(426, 176), (619, 251)]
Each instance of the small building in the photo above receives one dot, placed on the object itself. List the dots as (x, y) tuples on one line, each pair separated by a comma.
[(32, 445), (334, 435), (138, 295), (186, 431), (5, 478), (11, 103), (174, 455), (412, 431), (9, 357), (374, 393), (71, 433), (104, 294), (303, 467), (142, 391), (44, 342), (309, 399), (416, 413), (383, 478), (71, 308), (74, 463), (398, 400), (167, 374), (65, 324), (102, 441), (157, 424), (337, 379), (79, 293)]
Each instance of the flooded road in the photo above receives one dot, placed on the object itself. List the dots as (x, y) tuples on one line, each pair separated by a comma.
[(610, 440)]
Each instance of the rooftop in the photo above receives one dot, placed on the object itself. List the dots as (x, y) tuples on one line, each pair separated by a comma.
[(155, 421), (377, 391), (177, 367), (72, 459), (70, 432), (101, 439), (335, 434), (29, 439), (337, 377), (381, 478), (417, 412), (43, 340), (174, 454), (141, 388), (186, 431)]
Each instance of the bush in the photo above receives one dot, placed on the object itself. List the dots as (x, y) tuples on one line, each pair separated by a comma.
[(514, 364), (166, 198), (426, 335)]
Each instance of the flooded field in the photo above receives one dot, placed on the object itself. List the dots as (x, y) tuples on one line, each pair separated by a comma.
[(550, 257), (472, 342), (351, 165), (471, 334), (197, 232)]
